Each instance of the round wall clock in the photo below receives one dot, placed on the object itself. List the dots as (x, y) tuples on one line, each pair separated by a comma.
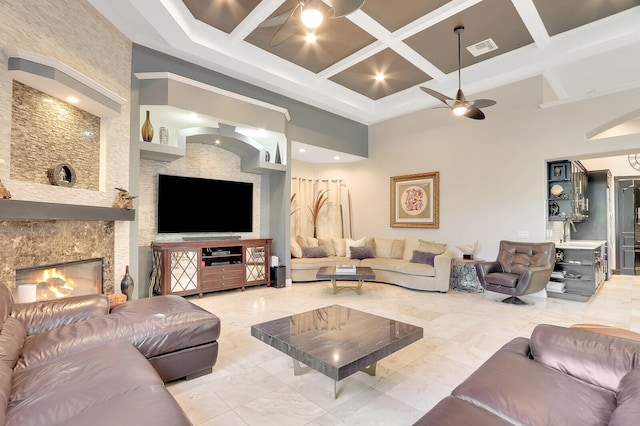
[(634, 161)]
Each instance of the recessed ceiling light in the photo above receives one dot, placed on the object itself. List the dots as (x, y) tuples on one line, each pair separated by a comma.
[(72, 99), (336, 157), (310, 38), (379, 76), (217, 141), (302, 150)]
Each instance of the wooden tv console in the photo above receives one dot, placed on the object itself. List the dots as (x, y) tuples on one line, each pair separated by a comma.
[(197, 267)]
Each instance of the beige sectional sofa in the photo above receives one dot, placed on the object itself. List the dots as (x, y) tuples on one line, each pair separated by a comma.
[(393, 261)]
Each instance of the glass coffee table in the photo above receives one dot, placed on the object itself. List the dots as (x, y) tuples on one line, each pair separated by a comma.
[(336, 341), (362, 273)]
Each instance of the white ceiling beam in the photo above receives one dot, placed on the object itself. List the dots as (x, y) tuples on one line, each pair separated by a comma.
[(531, 18), (261, 12), (554, 83)]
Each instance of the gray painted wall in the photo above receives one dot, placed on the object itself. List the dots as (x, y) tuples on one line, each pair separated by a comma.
[(308, 124)]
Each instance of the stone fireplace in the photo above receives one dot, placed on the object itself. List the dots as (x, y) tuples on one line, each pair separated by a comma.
[(65, 223), (47, 282), (35, 244), (61, 224)]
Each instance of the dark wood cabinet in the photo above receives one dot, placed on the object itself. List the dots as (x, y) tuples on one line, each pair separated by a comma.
[(580, 269), (197, 267)]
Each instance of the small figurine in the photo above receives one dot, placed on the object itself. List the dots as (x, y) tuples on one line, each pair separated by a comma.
[(124, 199), (4, 192)]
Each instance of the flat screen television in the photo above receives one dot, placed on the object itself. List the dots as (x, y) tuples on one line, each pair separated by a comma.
[(188, 204)]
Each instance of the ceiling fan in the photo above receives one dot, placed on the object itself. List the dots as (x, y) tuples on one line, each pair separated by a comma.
[(460, 105), (308, 14)]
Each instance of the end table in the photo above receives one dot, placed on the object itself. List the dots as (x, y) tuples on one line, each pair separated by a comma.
[(464, 276)]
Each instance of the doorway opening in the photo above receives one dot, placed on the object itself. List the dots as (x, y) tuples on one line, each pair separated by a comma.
[(622, 260), (628, 224)]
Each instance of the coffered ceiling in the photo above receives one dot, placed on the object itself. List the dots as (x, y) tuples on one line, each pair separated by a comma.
[(582, 47)]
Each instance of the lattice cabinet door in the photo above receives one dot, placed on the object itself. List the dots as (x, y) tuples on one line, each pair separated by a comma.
[(156, 274), (255, 266), (184, 271)]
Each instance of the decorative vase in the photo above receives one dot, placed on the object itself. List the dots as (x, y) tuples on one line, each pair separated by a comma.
[(278, 159), (126, 285), (147, 130)]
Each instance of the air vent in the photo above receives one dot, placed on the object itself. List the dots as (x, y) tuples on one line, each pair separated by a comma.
[(482, 47)]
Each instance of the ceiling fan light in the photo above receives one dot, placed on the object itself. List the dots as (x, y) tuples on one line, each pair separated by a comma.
[(311, 17), (459, 109)]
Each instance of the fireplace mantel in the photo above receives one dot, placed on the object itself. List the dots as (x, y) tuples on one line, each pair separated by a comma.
[(35, 210)]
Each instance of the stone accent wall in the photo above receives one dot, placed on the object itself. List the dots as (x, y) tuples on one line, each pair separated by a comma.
[(74, 33), (35, 243), (45, 132)]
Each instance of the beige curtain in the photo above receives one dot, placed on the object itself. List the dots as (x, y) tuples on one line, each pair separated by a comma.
[(302, 196), (333, 217)]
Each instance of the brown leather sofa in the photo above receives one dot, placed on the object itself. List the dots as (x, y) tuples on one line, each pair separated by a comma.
[(561, 376), (74, 361)]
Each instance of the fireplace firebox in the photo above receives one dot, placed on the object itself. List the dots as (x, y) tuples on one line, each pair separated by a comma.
[(59, 280)]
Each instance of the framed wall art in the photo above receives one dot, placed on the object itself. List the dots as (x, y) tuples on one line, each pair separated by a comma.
[(559, 171), (414, 200)]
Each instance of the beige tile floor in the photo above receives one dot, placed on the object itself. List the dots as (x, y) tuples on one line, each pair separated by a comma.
[(254, 384)]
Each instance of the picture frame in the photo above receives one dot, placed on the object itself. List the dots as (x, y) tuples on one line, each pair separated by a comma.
[(558, 171), (415, 200)]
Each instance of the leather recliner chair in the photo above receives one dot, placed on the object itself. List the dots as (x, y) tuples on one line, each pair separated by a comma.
[(521, 268)]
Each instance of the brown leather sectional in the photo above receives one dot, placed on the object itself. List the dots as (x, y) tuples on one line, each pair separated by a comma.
[(74, 361), (560, 376)]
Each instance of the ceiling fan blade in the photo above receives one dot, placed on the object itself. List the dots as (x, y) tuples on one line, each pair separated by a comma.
[(287, 30), (473, 112), (483, 103), (277, 20), (344, 7), (437, 95)]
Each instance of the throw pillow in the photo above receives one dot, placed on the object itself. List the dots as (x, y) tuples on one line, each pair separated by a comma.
[(312, 242), (397, 249), (353, 243), (339, 246), (432, 246), (383, 247), (370, 242), (302, 241), (362, 253), (410, 244), (424, 257), (296, 250), (314, 252), (328, 246)]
